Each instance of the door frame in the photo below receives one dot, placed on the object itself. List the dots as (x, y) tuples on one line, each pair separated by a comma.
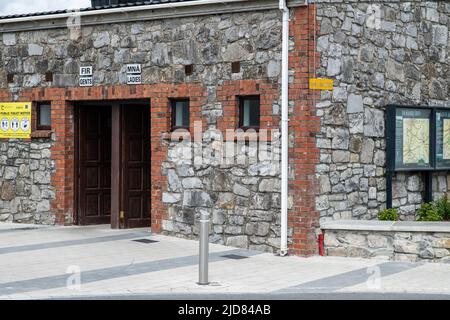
[(117, 194)]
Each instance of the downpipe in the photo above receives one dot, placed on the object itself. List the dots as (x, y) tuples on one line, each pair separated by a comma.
[(284, 128)]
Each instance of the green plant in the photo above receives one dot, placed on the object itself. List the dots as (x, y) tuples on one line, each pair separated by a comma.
[(429, 212), (442, 206), (388, 215)]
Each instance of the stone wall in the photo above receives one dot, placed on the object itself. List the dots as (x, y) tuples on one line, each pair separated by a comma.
[(379, 53), (413, 242), (163, 47), (408, 192), (242, 198), (25, 181)]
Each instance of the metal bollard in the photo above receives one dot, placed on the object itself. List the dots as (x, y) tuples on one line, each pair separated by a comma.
[(204, 249)]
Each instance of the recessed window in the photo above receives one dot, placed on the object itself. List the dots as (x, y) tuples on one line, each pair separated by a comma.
[(49, 76), (189, 70), (236, 67), (44, 118), (249, 112), (180, 114)]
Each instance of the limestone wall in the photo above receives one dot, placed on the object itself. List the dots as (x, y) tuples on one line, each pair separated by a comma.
[(242, 198), (397, 241), (379, 53), (25, 181), (163, 47)]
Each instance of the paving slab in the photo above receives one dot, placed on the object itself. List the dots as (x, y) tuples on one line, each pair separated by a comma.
[(83, 262)]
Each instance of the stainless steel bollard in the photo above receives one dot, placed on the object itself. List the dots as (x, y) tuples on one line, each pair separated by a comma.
[(204, 249)]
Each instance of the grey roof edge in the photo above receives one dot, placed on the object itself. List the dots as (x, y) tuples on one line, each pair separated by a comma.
[(148, 3), (96, 8), (389, 226), (155, 13)]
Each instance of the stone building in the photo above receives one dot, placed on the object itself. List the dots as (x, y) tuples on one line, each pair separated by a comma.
[(102, 151)]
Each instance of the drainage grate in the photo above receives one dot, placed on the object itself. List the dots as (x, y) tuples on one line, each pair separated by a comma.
[(24, 228), (145, 240), (234, 256)]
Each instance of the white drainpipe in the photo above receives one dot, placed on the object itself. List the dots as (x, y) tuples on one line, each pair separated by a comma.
[(284, 128)]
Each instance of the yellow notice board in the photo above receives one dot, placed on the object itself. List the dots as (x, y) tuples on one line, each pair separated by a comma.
[(321, 84), (15, 120)]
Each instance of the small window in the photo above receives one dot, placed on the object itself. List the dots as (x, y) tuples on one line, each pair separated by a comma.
[(44, 118), (249, 112), (180, 114), (189, 70), (49, 76), (236, 67)]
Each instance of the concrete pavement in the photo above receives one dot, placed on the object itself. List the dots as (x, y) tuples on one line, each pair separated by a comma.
[(45, 262)]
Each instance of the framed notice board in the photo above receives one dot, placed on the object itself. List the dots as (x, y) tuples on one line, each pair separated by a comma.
[(409, 138), (442, 160), (417, 140)]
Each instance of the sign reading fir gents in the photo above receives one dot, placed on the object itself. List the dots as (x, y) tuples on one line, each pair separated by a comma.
[(86, 76), (418, 138)]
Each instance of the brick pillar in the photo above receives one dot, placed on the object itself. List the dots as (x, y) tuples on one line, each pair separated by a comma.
[(63, 155), (303, 126), (159, 125)]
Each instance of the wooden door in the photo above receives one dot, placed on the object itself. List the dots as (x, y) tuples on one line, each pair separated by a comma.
[(136, 165), (94, 165)]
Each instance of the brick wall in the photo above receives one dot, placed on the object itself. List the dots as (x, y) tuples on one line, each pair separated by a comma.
[(303, 126)]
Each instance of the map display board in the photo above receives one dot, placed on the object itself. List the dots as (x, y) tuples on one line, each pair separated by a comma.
[(412, 138), (15, 120), (416, 141), (442, 138)]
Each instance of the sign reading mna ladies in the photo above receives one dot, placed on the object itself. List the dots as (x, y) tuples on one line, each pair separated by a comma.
[(134, 74)]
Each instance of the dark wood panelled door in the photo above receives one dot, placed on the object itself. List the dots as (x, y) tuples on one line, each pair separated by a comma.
[(136, 165), (94, 165)]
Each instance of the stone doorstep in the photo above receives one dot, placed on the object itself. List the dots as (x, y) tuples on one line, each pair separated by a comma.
[(12, 226), (397, 226)]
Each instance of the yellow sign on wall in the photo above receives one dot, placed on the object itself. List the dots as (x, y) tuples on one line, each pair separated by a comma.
[(321, 84), (15, 120)]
